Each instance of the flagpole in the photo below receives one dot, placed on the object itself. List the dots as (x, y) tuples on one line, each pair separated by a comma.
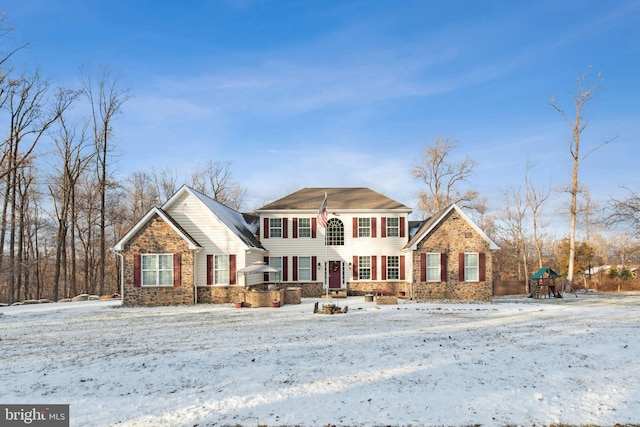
[(326, 260), (323, 220), (326, 251)]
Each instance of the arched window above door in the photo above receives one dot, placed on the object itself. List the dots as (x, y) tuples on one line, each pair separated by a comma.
[(335, 232)]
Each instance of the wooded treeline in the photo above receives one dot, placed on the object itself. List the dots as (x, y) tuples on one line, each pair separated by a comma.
[(63, 208)]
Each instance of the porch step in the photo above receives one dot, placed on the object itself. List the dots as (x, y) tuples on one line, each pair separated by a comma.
[(336, 293)]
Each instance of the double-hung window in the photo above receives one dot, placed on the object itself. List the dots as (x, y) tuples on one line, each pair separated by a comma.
[(275, 227), (364, 268), (157, 269), (364, 227), (393, 267), (393, 227), (275, 262), (304, 268), (304, 227), (433, 267), (471, 267), (221, 270)]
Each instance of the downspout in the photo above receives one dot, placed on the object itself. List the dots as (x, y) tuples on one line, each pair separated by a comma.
[(410, 278), (195, 275), (121, 275)]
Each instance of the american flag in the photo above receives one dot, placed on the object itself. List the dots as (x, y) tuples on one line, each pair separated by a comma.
[(322, 212)]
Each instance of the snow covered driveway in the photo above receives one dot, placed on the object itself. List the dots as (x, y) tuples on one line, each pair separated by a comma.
[(514, 361)]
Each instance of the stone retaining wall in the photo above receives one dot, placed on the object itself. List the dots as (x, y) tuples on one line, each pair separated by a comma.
[(363, 288), (219, 294)]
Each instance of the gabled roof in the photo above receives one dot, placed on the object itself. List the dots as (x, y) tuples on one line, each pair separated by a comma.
[(338, 198), (193, 244), (432, 222), (232, 219)]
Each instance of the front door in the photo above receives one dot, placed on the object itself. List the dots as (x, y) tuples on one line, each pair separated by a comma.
[(335, 274)]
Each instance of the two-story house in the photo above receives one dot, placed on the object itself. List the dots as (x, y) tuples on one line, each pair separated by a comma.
[(193, 249), (359, 249)]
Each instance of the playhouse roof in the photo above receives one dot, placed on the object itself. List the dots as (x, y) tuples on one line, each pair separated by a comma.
[(543, 270)]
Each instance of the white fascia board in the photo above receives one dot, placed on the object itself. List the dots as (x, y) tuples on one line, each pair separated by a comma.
[(492, 245), (154, 211)]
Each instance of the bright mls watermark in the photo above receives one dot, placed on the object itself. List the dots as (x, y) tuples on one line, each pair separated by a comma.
[(34, 415)]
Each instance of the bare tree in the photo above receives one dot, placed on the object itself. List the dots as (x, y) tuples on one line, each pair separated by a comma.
[(216, 181), (536, 197), (582, 97), (588, 209), (626, 211), (73, 158), (142, 194), (442, 177), (515, 212), (166, 182), (30, 114), (106, 99), (87, 221)]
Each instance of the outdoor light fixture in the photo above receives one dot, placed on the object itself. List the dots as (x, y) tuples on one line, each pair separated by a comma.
[(319, 265)]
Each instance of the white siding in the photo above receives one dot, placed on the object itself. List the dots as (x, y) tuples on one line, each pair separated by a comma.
[(360, 246), (214, 236)]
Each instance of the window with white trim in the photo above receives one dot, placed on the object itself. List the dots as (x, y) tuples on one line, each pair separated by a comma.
[(275, 262), (221, 270), (393, 267), (275, 227), (433, 267), (157, 269), (364, 268), (393, 227), (335, 232), (304, 268), (471, 267), (364, 227), (304, 227)]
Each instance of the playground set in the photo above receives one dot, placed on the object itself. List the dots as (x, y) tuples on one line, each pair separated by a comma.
[(545, 284)]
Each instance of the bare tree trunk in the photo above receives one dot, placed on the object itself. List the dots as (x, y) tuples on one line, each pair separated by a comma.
[(581, 99), (12, 228), (72, 240), (26, 99), (535, 200), (106, 102)]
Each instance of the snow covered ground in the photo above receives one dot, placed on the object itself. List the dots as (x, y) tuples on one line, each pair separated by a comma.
[(513, 361)]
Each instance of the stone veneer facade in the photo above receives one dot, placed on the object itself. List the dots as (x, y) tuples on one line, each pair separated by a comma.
[(156, 236), (452, 236)]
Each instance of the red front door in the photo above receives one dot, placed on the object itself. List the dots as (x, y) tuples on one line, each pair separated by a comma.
[(335, 274)]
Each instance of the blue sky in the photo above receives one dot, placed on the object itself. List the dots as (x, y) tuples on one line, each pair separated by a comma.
[(346, 93)]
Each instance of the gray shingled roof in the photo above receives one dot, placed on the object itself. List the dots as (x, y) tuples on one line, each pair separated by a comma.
[(337, 198)]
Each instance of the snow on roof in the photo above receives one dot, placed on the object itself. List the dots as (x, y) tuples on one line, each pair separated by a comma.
[(233, 219)]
